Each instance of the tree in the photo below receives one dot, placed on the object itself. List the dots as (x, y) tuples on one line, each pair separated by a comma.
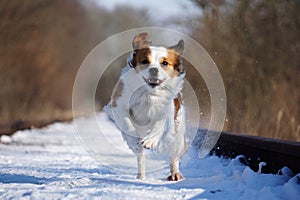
[(255, 45)]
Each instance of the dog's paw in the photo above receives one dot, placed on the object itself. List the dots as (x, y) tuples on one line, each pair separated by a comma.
[(141, 176), (149, 142), (175, 177)]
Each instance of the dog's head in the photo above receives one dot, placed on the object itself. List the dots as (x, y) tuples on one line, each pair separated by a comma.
[(156, 65)]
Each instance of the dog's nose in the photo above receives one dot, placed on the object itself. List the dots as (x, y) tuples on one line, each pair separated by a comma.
[(153, 71)]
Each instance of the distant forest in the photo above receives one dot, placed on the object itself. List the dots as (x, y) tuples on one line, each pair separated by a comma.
[(255, 45)]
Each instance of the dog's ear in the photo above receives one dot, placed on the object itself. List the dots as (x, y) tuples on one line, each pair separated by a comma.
[(178, 48), (140, 41)]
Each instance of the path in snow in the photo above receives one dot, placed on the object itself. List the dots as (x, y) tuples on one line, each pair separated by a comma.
[(51, 163)]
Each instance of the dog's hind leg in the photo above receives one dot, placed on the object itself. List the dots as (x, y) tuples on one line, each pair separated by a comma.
[(177, 148), (175, 155)]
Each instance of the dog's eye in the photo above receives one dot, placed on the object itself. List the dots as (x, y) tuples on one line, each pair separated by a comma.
[(145, 62), (165, 63)]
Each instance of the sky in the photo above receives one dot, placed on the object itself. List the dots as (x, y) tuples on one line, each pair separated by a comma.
[(159, 10)]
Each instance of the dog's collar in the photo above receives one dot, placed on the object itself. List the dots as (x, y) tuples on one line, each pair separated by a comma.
[(129, 63)]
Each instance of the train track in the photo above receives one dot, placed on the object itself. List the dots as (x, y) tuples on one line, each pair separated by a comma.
[(275, 153)]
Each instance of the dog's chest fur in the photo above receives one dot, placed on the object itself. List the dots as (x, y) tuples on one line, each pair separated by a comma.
[(146, 108), (148, 111)]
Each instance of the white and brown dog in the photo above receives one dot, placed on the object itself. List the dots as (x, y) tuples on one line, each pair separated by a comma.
[(146, 103)]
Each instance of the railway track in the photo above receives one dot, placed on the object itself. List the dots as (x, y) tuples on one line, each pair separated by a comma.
[(275, 153)]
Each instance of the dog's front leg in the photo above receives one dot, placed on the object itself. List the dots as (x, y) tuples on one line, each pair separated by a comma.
[(133, 141), (141, 166), (151, 140)]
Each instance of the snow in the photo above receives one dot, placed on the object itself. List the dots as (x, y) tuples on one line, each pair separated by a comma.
[(51, 163)]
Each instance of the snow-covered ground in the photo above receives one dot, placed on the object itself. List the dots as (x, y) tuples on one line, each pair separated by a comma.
[(51, 163)]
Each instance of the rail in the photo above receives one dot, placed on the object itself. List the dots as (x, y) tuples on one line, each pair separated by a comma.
[(275, 153)]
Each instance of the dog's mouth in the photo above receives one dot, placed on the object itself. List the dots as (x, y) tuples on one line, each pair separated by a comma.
[(153, 82)]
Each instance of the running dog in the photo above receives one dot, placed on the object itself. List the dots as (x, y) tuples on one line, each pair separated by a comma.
[(147, 102)]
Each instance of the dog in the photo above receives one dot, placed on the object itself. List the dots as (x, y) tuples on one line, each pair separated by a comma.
[(146, 103)]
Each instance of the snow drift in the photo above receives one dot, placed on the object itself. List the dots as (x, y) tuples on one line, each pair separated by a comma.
[(51, 163)]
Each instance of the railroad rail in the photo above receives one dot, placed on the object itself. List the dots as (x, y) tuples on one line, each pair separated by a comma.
[(275, 153)]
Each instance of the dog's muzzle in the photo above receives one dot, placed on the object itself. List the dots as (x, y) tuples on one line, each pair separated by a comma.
[(153, 81)]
